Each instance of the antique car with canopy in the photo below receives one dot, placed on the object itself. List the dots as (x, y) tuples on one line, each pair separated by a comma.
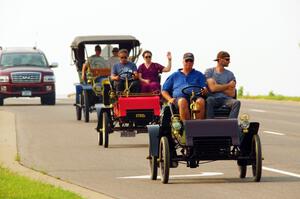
[(95, 87)]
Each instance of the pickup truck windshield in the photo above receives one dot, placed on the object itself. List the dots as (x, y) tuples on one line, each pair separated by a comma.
[(23, 59)]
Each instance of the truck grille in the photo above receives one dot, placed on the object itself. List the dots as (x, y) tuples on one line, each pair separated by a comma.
[(26, 77)]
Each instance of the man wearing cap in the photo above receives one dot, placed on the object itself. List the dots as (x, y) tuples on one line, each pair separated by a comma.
[(113, 59), (187, 76), (221, 83), (95, 61)]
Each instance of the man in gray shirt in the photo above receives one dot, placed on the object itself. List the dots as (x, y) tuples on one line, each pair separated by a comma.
[(221, 83)]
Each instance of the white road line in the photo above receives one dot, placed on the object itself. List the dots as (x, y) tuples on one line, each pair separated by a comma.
[(204, 174), (281, 172), (274, 133), (258, 110)]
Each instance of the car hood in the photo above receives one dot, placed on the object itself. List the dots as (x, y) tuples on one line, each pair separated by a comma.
[(26, 69)]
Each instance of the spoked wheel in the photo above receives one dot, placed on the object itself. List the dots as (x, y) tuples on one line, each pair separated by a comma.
[(105, 129), (79, 108), (78, 112), (100, 138), (243, 171), (257, 158), (164, 159), (153, 167), (86, 107), (106, 97)]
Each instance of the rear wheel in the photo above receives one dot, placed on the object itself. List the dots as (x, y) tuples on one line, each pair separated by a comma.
[(86, 106), (48, 99), (243, 171), (79, 108), (257, 158), (105, 129), (164, 159), (153, 167), (1, 101)]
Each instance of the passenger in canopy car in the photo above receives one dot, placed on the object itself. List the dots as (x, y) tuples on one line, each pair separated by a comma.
[(113, 59), (95, 61), (149, 72), (222, 86), (187, 76), (122, 70)]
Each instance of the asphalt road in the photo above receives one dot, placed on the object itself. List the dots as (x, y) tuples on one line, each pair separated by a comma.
[(51, 140)]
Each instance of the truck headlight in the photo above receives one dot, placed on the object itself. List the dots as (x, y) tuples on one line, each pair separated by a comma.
[(49, 78), (4, 78)]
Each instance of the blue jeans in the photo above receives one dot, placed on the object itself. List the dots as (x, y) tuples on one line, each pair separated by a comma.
[(213, 103)]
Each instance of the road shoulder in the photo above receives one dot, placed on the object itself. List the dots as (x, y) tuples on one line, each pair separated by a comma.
[(8, 154)]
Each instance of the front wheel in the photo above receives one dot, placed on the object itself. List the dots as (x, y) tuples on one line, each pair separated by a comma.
[(86, 107), (105, 129), (257, 158), (164, 159), (153, 167), (100, 138), (1, 101), (48, 99)]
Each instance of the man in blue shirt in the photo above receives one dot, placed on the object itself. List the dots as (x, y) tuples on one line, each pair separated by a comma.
[(187, 76), (124, 69), (221, 83)]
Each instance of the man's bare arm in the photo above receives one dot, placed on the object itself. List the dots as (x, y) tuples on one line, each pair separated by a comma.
[(167, 96), (214, 87)]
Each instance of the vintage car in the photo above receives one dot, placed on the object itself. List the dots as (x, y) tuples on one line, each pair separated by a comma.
[(194, 142), (128, 113), (95, 88), (25, 72)]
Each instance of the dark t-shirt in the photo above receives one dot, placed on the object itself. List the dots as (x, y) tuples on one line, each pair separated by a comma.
[(152, 72)]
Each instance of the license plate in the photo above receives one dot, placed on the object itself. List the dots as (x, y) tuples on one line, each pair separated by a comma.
[(127, 134), (26, 93)]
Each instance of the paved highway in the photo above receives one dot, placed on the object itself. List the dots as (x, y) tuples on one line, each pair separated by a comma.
[(51, 140)]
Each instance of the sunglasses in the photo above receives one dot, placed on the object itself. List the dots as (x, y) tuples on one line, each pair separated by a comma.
[(227, 59), (189, 60), (147, 57), (123, 57)]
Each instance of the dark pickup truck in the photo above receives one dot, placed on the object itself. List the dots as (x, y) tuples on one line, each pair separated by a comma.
[(25, 72)]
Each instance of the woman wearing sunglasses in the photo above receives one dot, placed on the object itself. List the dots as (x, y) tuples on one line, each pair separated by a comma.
[(149, 72)]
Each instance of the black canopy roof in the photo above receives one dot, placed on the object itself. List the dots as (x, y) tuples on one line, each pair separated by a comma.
[(104, 39)]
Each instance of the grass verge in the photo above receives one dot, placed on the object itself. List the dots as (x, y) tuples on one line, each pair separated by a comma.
[(276, 97), (14, 186)]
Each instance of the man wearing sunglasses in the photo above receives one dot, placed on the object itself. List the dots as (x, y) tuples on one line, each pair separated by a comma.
[(124, 69), (187, 76), (222, 86)]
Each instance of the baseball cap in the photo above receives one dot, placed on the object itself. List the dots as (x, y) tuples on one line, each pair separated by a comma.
[(115, 49), (187, 56), (221, 55), (98, 48)]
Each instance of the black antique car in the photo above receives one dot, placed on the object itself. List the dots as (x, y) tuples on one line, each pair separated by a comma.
[(193, 142), (95, 88)]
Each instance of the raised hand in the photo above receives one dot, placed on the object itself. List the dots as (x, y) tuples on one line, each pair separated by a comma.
[(169, 56)]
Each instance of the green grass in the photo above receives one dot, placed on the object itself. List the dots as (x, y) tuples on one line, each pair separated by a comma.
[(275, 97), (14, 186)]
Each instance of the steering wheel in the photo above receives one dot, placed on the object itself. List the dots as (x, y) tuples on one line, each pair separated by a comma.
[(128, 74), (188, 90)]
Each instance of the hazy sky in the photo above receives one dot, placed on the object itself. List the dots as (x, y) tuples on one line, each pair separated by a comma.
[(262, 36)]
